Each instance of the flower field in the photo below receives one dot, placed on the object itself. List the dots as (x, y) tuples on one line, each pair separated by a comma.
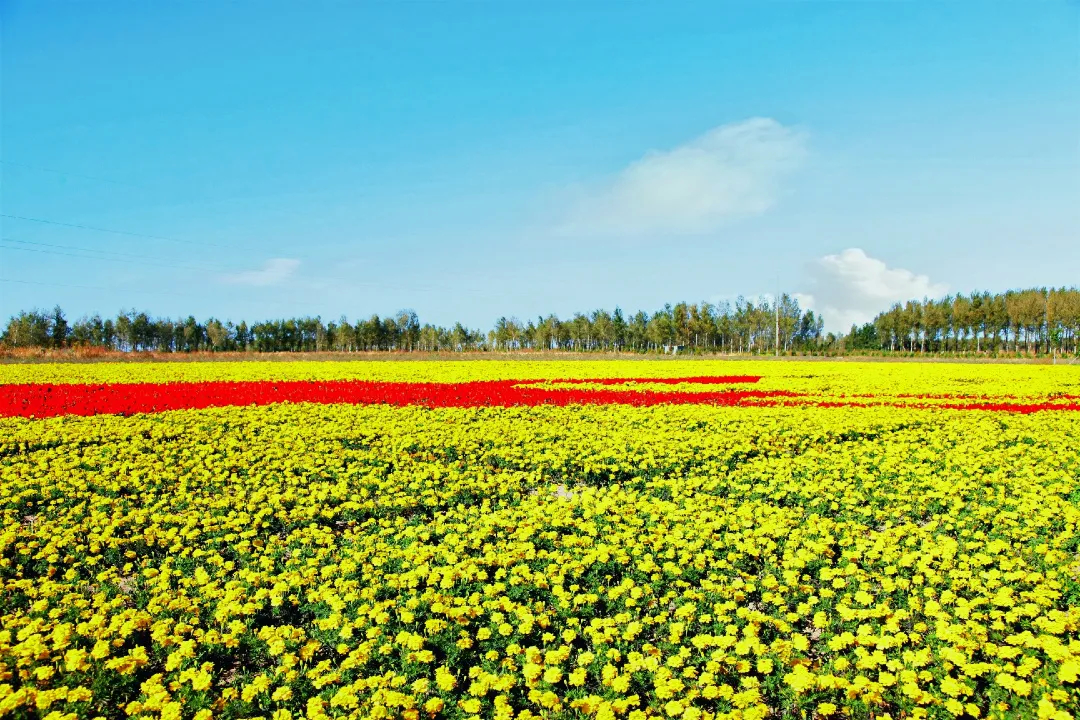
[(539, 539)]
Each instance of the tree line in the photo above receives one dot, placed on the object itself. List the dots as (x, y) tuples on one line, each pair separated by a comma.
[(1032, 321), (745, 326)]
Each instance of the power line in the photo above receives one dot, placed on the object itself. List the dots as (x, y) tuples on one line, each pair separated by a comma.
[(70, 174), (31, 282), (107, 230), (94, 257), (140, 260), (91, 250), (135, 291), (349, 281), (91, 287), (143, 259)]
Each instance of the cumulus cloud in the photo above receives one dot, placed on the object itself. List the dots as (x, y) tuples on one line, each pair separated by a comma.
[(273, 272), (730, 171), (852, 287)]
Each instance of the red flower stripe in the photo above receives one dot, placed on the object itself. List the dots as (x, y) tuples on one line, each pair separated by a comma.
[(698, 380), (1013, 407), (42, 400)]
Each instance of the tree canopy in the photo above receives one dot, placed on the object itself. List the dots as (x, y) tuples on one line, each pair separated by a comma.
[(1037, 320), (1031, 321), (745, 327)]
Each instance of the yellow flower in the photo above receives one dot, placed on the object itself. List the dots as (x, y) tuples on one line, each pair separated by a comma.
[(800, 679), (75, 660), (444, 679), (358, 544), (1069, 671), (552, 675), (201, 680)]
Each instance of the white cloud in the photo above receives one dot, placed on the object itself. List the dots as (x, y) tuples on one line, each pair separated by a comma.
[(730, 171), (852, 287), (274, 272)]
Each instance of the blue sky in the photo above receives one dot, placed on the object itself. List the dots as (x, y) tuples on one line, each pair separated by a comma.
[(470, 160)]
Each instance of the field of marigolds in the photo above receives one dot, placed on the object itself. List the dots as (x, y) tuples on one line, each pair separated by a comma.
[(496, 540)]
